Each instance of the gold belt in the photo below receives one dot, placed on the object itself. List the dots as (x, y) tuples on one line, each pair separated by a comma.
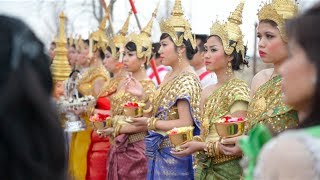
[(136, 137), (223, 158), (165, 144)]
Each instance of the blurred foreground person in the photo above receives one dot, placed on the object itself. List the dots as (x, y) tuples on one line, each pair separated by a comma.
[(295, 153), (32, 141)]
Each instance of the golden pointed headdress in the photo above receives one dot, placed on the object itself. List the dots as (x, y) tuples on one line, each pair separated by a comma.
[(230, 32), (71, 41), (60, 67), (178, 24), (100, 36), (143, 40), (278, 11), (79, 43), (120, 38)]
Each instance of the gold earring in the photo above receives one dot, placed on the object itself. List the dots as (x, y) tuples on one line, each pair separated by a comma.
[(229, 71), (179, 58), (142, 67)]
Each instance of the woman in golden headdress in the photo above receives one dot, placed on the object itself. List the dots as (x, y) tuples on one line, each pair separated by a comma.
[(295, 153), (224, 53), (176, 102), (266, 106), (126, 159), (113, 62), (85, 145)]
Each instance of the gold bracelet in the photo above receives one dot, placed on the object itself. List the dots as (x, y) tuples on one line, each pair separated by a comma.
[(148, 110), (152, 123), (216, 148), (116, 131), (209, 150), (149, 123)]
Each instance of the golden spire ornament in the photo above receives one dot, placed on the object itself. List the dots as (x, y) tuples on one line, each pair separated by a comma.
[(100, 36), (60, 67), (120, 38), (143, 40), (279, 11), (178, 24), (230, 32), (71, 41)]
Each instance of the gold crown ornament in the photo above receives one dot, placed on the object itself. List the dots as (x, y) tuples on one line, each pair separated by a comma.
[(113, 48), (230, 32), (71, 41), (143, 40), (100, 36), (279, 11), (60, 67), (79, 44), (120, 38), (178, 24)]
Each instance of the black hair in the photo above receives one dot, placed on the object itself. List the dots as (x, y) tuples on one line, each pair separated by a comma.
[(86, 41), (101, 53), (110, 50), (203, 40), (190, 52), (131, 46), (237, 59), (155, 49), (304, 29), (31, 138)]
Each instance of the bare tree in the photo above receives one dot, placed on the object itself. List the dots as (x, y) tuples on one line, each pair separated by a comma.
[(53, 10), (97, 9)]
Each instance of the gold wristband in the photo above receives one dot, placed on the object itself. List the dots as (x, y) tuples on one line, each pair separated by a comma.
[(209, 150), (152, 123), (116, 131), (216, 148)]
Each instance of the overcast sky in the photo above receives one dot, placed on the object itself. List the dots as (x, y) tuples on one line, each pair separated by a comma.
[(41, 14)]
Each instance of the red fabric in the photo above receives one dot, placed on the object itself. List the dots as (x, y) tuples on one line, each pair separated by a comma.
[(204, 75), (97, 158), (103, 103), (127, 161), (98, 150), (159, 70)]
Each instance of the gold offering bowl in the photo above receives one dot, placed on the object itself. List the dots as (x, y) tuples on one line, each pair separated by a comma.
[(181, 137), (230, 129), (133, 111), (100, 125)]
